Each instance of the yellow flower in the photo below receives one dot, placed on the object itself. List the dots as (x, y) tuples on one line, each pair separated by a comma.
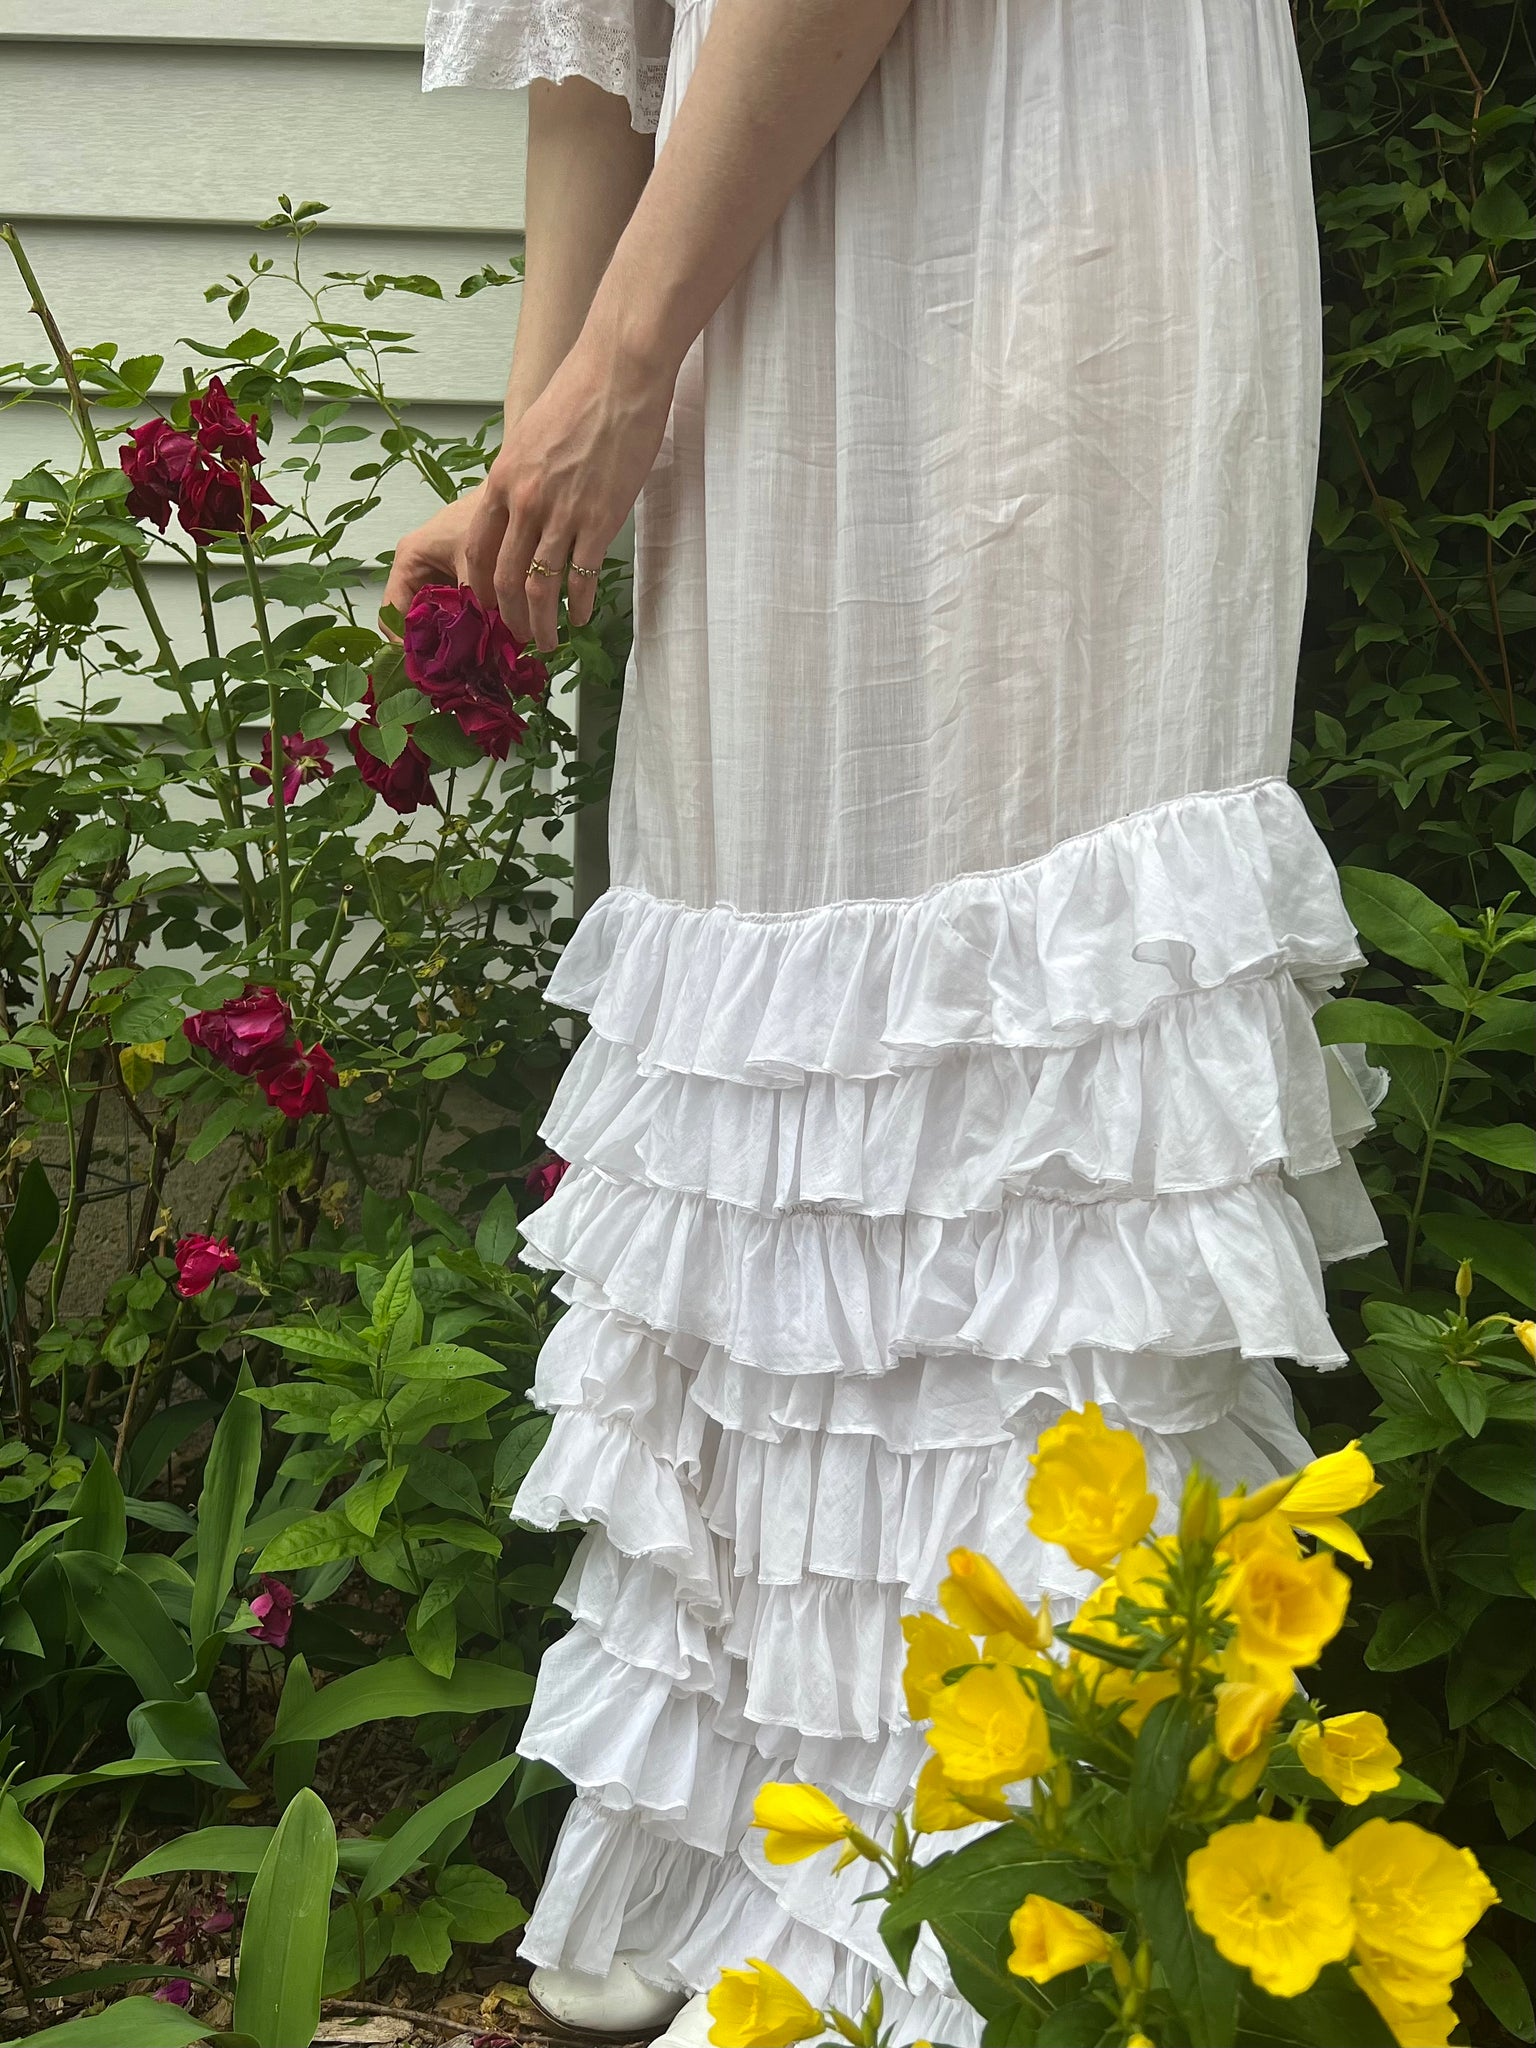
[(1352, 1754), (938, 1810), (1286, 1608), (1415, 1900), (1315, 1498), (758, 2007), (1416, 2026), (1137, 1692), (988, 1731), (1273, 1900), (1137, 1578), (1048, 1939), (978, 1599), (1088, 1491), (1006, 1649), (798, 1821), (1249, 1701), (933, 1648), (1526, 1332)]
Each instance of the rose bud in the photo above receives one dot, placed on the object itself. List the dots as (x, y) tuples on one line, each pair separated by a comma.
[(542, 1180)]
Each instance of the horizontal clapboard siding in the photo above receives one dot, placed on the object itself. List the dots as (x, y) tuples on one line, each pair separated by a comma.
[(142, 142)]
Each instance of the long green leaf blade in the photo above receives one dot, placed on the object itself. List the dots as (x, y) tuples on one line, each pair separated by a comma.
[(229, 1487), (282, 1945)]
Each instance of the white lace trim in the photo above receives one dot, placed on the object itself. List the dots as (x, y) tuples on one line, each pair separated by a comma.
[(503, 47)]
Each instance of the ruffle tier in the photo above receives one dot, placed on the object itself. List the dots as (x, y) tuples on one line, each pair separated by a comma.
[(863, 1199)]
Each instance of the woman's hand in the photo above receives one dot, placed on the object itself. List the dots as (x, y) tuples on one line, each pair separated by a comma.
[(566, 479)]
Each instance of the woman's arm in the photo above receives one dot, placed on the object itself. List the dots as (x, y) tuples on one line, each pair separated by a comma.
[(772, 83), (586, 169)]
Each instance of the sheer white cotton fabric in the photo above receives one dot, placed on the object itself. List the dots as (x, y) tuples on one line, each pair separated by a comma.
[(951, 1058)]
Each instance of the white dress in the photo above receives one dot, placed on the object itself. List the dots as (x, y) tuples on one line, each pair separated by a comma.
[(951, 1058)]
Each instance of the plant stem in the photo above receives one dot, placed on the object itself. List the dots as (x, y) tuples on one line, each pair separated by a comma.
[(283, 936), (1432, 1132)]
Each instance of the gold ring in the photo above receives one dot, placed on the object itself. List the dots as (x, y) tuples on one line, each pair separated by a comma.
[(577, 570), (538, 568)]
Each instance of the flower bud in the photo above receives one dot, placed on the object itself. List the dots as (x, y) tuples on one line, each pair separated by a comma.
[(1203, 1767), (1526, 1333), (1464, 1282), (1200, 1511)]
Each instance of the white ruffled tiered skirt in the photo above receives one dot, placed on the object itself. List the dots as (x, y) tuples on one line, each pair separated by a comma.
[(861, 1200)]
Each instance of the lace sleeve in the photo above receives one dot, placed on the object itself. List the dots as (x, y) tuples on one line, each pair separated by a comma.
[(621, 45)]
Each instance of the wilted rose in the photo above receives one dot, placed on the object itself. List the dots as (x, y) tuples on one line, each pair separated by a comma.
[(297, 1084), (154, 462), (212, 501), (199, 1262), (175, 1991), (542, 1181), (467, 662), (273, 1608), (245, 1033), (405, 783), (221, 430), (303, 761)]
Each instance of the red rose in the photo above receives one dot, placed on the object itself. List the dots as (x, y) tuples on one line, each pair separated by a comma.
[(200, 1261), (273, 1608), (221, 430), (154, 462), (542, 1181), (405, 783), (297, 1084), (303, 761), (243, 1034), (212, 502), (465, 659)]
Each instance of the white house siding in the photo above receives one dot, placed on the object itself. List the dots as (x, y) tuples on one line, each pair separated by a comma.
[(141, 140)]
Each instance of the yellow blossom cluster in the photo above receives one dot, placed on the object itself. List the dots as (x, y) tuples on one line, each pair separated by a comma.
[(1401, 1901)]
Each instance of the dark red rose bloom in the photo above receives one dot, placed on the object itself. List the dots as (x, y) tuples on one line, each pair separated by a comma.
[(212, 503), (405, 783), (220, 429), (542, 1181), (273, 1608), (200, 1261), (303, 761), (154, 462), (466, 660), (297, 1083), (244, 1034)]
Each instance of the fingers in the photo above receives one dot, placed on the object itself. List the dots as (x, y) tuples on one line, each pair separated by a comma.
[(581, 589), (518, 546), (408, 572), (483, 544), (546, 574)]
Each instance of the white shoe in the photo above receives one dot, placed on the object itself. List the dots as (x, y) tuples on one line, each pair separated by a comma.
[(690, 2028), (620, 2002)]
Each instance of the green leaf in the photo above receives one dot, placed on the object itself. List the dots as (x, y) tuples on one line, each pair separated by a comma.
[(443, 740), (1334, 2012), (394, 1296), (398, 1689), (1512, 1872), (433, 1635), (1500, 215), (482, 1909), (1499, 1983), (29, 1228), (499, 1233), (1503, 1144), (968, 1897), (1465, 1392), (442, 1362), (1164, 1747), (282, 1944), (325, 1538), (236, 1851), (125, 1621), (310, 1341), (1501, 1472), (1203, 1984), (1512, 1725), (1499, 1650), (1407, 1436), (410, 1843), (21, 1846), (229, 1487), (1499, 1252), (515, 1454), (293, 1763), (363, 1504), (1487, 1557), (1396, 918), (423, 1937), (146, 2022), (1411, 1632), (100, 1518), (186, 1731), (1352, 1021)]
